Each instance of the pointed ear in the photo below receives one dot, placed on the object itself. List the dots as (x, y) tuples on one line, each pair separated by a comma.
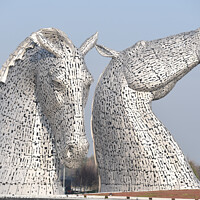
[(104, 51), (88, 44), (52, 40)]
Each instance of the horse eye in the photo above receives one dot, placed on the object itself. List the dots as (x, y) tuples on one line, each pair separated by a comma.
[(57, 84)]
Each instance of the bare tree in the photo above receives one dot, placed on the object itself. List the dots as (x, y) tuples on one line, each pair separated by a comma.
[(196, 168), (92, 174), (86, 175)]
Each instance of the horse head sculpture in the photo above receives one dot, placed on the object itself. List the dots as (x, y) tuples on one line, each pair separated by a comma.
[(62, 91), (134, 151), (44, 90)]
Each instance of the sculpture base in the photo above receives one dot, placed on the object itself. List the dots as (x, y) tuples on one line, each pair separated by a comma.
[(24, 197), (148, 195)]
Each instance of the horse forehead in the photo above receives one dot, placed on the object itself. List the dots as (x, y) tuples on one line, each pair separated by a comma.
[(65, 64), (72, 67), (71, 71)]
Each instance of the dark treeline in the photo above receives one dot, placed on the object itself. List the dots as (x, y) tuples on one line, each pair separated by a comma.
[(85, 178), (196, 168), (82, 179)]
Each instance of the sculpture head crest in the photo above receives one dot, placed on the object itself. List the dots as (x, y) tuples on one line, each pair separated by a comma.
[(53, 40)]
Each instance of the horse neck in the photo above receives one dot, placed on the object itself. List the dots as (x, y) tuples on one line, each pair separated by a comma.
[(18, 95), (141, 108), (23, 125)]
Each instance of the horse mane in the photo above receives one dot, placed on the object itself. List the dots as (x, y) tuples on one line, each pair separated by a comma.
[(28, 43), (50, 34)]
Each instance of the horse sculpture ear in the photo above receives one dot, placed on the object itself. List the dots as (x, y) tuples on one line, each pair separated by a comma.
[(51, 39), (104, 51), (88, 44)]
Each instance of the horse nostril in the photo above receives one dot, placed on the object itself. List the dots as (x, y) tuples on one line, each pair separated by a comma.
[(70, 147)]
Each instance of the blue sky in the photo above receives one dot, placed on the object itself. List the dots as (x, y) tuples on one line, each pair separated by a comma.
[(120, 24)]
